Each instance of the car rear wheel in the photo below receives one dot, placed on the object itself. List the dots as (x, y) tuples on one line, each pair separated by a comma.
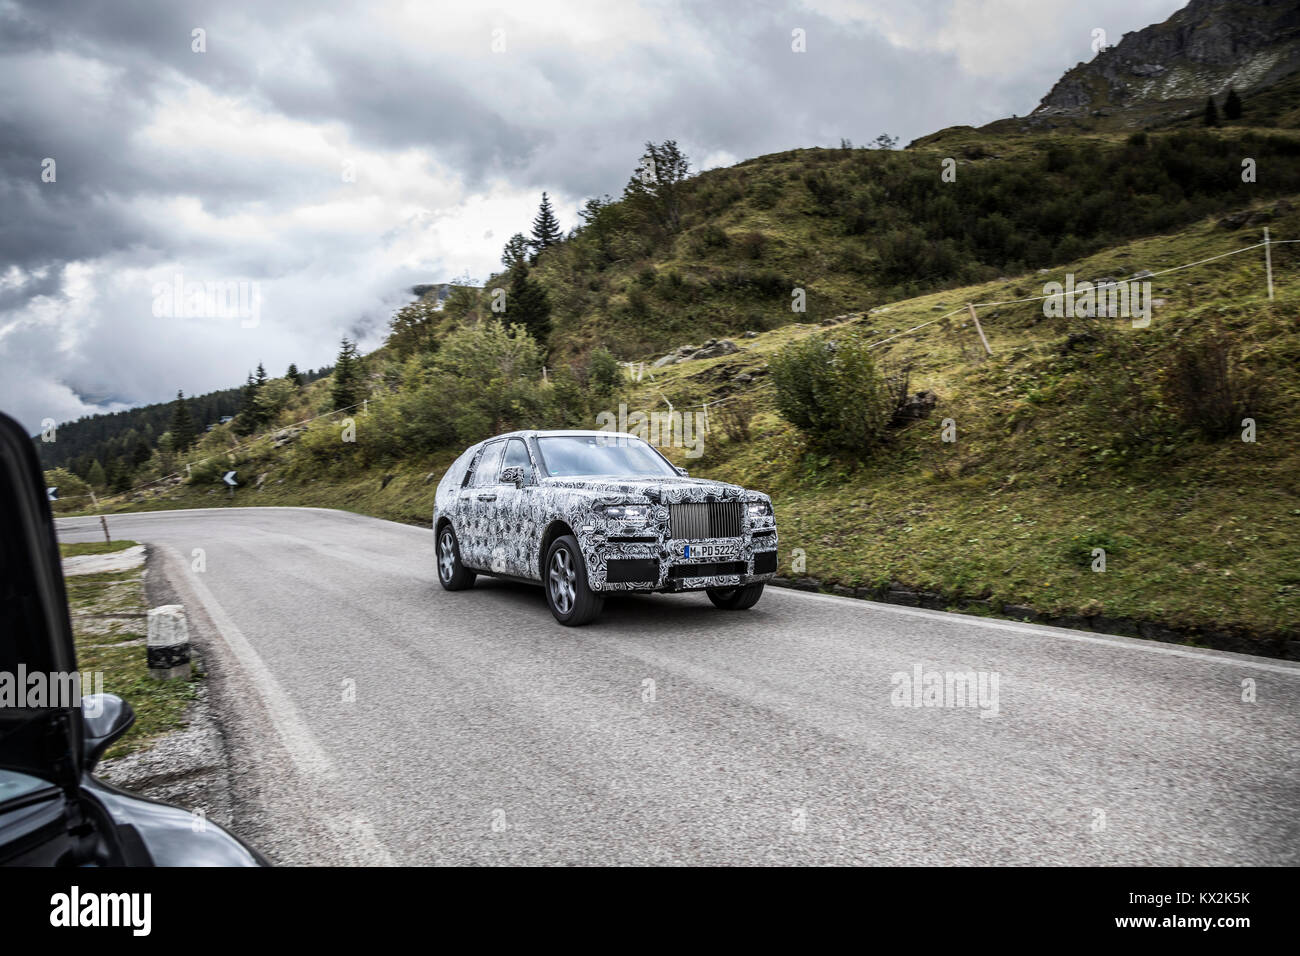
[(452, 575), (736, 599), (568, 595)]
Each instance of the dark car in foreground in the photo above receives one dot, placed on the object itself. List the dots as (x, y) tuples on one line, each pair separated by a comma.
[(586, 513), (53, 812)]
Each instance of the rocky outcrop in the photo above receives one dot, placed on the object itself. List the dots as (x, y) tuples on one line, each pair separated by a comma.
[(686, 353), (1166, 69)]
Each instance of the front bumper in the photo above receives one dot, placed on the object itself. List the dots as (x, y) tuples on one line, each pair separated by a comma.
[(646, 559)]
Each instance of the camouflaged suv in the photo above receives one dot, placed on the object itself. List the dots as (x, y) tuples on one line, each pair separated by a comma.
[(584, 513)]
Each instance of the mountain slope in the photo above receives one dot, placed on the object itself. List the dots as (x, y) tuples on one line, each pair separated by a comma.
[(1167, 70)]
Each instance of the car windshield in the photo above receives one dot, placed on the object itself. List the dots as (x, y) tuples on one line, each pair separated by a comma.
[(569, 455)]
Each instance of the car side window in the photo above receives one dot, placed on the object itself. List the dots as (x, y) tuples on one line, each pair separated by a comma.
[(489, 466), (517, 456)]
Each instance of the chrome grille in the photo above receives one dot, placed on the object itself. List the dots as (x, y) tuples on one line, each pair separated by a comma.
[(706, 519)]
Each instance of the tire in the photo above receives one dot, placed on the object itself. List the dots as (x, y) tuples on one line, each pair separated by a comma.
[(452, 575), (564, 579), (736, 599)]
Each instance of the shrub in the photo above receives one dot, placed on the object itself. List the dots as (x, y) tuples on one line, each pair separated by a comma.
[(1205, 387), (603, 372), (734, 416), (831, 390)]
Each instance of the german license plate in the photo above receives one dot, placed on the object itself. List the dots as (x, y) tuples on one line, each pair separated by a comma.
[(709, 552)]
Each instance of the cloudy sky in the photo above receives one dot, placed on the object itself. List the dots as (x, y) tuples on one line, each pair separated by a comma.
[(323, 157)]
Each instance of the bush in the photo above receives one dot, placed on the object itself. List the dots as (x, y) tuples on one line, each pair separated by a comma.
[(830, 389), (734, 416), (603, 372), (1205, 387)]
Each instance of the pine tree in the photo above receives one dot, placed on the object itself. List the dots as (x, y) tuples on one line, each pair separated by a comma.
[(546, 228), (293, 375), (528, 305), (182, 427), (261, 375), (1211, 113), (655, 191), (1232, 105), (515, 252), (347, 376), (96, 477)]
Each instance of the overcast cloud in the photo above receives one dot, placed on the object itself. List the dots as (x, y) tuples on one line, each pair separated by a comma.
[(230, 165)]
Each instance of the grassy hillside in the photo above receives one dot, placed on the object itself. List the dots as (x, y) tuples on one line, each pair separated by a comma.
[(858, 228), (1064, 444)]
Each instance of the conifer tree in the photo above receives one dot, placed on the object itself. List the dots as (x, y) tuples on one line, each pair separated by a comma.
[(1232, 105), (182, 427), (546, 228), (347, 376)]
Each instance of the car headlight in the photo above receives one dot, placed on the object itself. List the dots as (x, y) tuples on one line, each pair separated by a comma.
[(638, 513), (759, 509)]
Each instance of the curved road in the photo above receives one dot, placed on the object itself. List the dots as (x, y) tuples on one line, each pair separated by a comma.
[(373, 717)]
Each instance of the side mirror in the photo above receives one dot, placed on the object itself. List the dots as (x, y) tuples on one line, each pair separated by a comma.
[(105, 718), (682, 471), (514, 475)]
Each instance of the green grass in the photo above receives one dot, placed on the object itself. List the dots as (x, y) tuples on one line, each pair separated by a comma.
[(75, 549), (109, 634)]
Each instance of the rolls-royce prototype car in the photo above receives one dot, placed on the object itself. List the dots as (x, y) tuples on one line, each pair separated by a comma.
[(585, 513)]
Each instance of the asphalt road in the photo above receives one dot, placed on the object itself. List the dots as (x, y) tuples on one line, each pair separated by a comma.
[(373, 717)]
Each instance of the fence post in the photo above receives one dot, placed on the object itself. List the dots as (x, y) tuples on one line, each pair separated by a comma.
[(1268, 263), (103, 523), (978, 328)]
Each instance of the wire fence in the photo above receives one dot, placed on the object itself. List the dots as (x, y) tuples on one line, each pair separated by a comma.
[(639, 368)]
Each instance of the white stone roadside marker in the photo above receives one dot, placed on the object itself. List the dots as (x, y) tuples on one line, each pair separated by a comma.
[(168, 642)]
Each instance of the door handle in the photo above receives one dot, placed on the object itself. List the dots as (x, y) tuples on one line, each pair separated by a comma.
[(487, 497)]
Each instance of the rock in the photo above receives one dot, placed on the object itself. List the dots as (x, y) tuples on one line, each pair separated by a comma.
[(670, 359), (841, 590), (1075, 339), (429, 477), (749, 334), (901, 596), (286, 435), (743, 377), (383, 482), (933, 600), (713, 349), (866, 594), (1143, 274), (916, 407)]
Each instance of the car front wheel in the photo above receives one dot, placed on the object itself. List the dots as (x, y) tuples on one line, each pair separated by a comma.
[(736, 599), (452, 575), (568, 595)]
